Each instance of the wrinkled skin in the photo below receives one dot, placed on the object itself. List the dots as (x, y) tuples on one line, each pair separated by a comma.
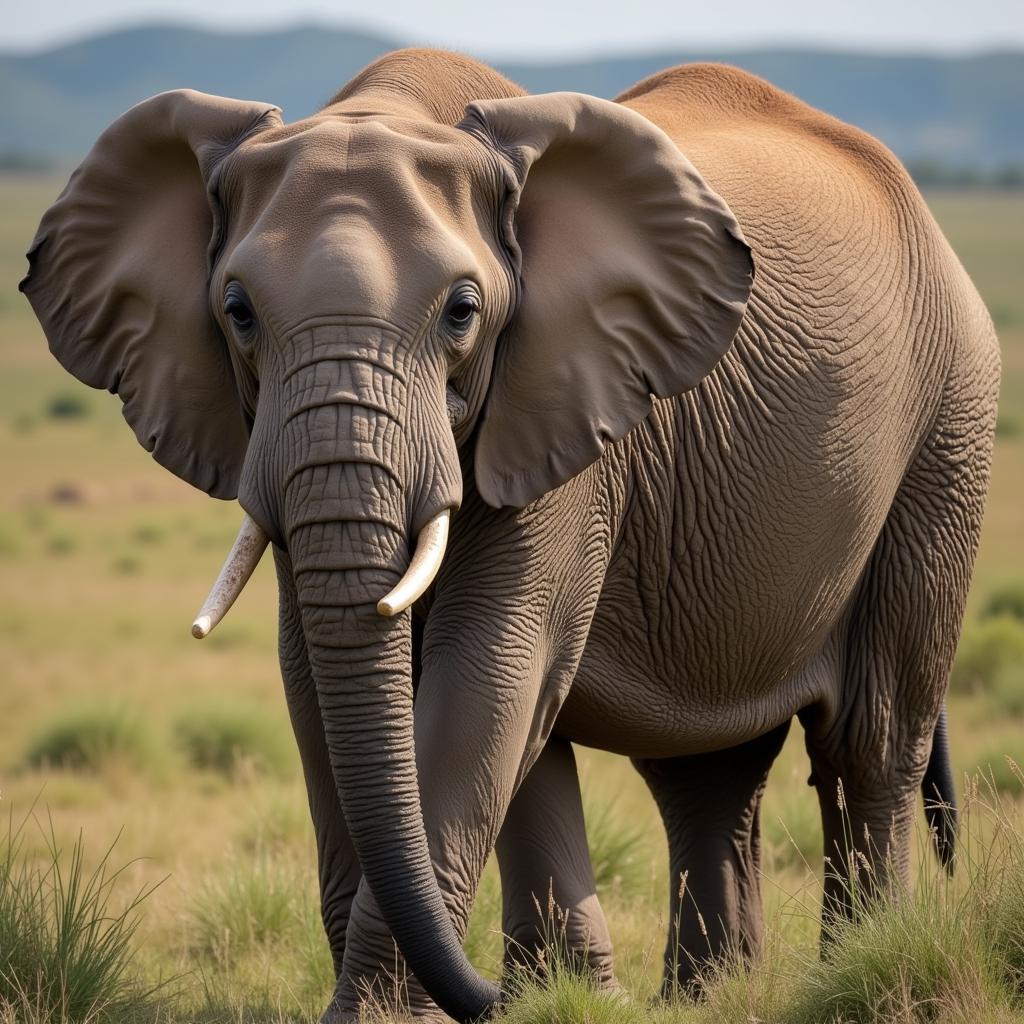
[(788, 530)]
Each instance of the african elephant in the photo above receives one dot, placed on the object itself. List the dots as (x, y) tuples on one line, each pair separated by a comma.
[(686, 503)]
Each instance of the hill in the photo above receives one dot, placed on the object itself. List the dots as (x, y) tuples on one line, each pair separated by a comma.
[(961, 112)]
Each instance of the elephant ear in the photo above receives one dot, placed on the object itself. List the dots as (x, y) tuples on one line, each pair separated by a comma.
[(634, 278), (118, 277)]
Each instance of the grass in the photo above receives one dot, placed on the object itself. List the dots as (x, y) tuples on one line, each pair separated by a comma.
[(66, 944), (987, 648), (105, 560), (92, 738), (233, 738), (617, 848), (254, 904)]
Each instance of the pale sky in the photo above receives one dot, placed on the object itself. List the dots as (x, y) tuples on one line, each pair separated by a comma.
[(541, 28)]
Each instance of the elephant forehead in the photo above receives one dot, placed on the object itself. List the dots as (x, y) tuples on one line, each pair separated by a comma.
[(356, 213), (393, 166)]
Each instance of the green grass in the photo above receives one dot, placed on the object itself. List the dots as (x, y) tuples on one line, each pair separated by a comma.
[(1005, 600), (232, 738), (987, 648), (618, 848), (92, 738), (66, 942), (254, 904)]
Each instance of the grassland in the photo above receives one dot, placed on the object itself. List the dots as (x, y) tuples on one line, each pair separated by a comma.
[(113, 720)]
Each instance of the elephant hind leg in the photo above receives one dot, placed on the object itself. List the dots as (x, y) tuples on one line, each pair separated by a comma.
[(710, 804), (893, 651), (548, 891)]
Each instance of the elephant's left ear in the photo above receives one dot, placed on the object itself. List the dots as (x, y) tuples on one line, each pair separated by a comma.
[(634, 275)]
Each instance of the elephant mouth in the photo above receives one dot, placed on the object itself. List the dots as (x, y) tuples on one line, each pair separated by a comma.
[(252, 541)]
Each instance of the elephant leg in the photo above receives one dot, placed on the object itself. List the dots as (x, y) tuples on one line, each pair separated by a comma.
[(710, 804), (546, 872), (870, 745), (338, 865)]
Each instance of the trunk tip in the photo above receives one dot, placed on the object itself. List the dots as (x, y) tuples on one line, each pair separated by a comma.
[(201, 627)]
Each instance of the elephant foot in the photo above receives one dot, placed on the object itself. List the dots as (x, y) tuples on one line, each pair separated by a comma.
[(381, 998)]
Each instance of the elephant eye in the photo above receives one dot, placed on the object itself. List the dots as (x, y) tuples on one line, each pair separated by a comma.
[(238, 311), (462, 310)]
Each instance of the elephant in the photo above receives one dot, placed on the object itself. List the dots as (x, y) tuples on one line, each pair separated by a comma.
[(646, 424)]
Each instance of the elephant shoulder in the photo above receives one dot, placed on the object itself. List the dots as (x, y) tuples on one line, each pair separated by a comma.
[(440, 81)]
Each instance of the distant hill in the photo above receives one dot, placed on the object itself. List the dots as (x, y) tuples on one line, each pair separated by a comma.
[(957, 112)]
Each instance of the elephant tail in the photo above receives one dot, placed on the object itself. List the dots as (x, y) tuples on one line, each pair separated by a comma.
[(940, 795)]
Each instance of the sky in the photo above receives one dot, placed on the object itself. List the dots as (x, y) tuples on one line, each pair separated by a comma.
[(544, 28)]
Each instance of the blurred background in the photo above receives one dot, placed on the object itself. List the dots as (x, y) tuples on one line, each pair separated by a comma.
[(114, 722)]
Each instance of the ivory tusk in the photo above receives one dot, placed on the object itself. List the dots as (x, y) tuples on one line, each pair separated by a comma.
[(426, 560), (243, 558)]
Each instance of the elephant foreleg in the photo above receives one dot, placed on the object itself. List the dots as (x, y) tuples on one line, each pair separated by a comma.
[(338, 865), (548, 892), (710, 804)]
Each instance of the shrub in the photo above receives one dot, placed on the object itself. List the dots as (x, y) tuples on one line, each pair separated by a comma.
[(229, 738), (91, 737), (1007, 696), (65, 953), (61, 544), (986, 649), (1006, 600), (149, 534), (126, 565), (67, 406), (1008, 426)]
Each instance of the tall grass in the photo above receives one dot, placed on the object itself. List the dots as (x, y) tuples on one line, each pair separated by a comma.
[(948, 950), (65, 945)]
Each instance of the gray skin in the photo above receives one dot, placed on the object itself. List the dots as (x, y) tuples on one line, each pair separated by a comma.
[(788, 530)]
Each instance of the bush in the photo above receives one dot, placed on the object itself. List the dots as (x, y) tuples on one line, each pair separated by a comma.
[(232, 738), (67, 406), (61, 544), (92, 737), (986, 649), (65, 954), (1006, 600), (1007, 697)]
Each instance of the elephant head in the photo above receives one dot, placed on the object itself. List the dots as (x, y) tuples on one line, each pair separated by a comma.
[(320, 316)]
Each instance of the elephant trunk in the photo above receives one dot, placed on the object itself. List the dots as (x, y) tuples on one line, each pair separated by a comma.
[(345, 518)]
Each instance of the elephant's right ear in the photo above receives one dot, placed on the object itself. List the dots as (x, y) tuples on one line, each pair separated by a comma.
[(118, 277)]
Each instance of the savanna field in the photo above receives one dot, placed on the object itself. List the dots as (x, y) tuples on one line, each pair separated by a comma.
[(116, 727)]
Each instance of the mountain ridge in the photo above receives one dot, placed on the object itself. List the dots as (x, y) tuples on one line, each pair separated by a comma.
[(958, 110)]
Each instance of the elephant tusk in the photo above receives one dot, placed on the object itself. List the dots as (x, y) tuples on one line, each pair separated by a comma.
[(243, 558), (427, 559)]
